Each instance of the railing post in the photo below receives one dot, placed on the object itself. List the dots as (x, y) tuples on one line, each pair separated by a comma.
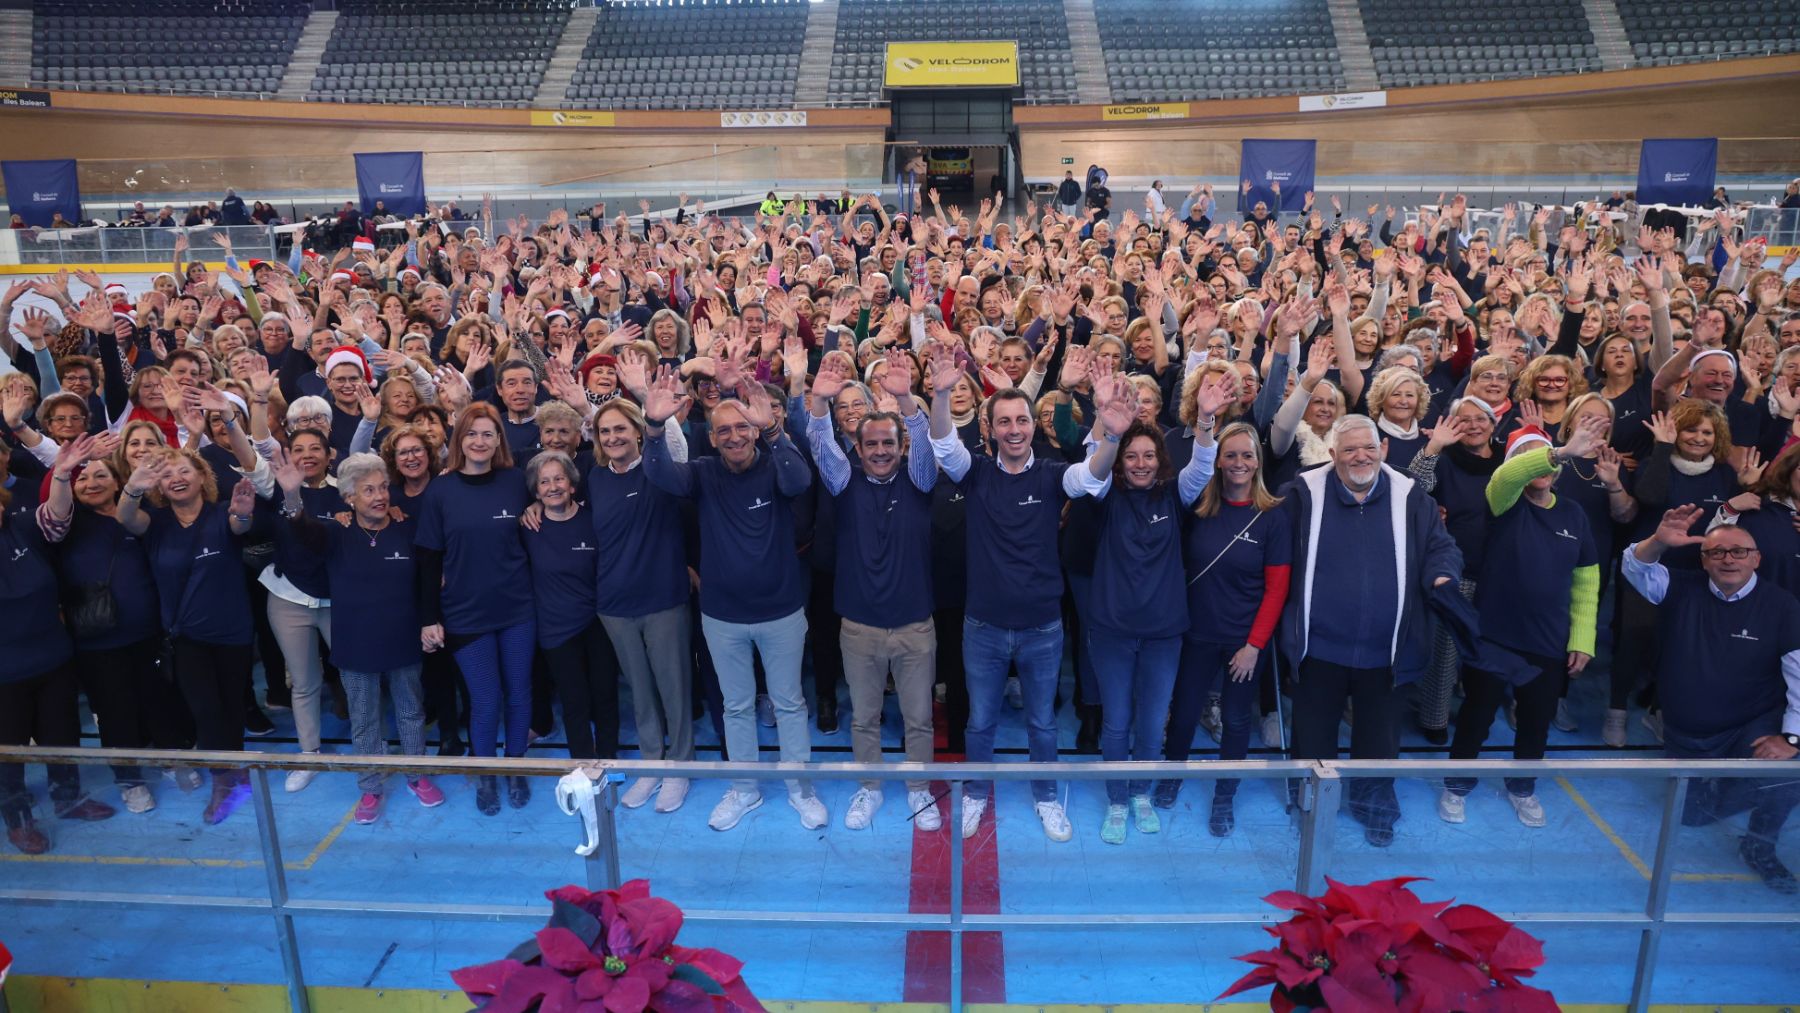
[(276, 875), (1318, 826), (956, 896), (1658, 903), (603, 864)]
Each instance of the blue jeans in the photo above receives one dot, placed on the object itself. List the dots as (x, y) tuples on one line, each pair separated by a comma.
[(363, 693), (780, 642), (1137, 678), (987, 653)]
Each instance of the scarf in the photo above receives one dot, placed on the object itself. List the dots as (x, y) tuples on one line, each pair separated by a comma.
[(1313, 450), (1392, 429), (1690, 468)]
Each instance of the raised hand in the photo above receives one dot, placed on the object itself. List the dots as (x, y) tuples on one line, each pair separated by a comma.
[(1077, 365), (285, 471), (1676, 523), (663, 397), (1661, 427), (1216, 392), (1607, 464), (368, 402), (1115, 401), (897, 378), (831, 379), (243, 498), (1589, 436), (147, 475), (1749, 465), (759, 411)]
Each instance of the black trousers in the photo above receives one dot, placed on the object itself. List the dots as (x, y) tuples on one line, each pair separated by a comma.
[(586, 672), (212, 680), (1483, 696), (1709, 800), (823, 625), (268, 650), (40, 709), (950, 672), (133, 704), (1204, 668), (1319, 698), (1634, 644)]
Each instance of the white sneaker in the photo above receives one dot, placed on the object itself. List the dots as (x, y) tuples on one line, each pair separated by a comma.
[(1530, 810), (862, 809), (185, 778), (972, 810), (138, 799), (297, 780), (1271, 731), (732, 808), (639, 792), (1452, 808), (1564, 721), (1612, 731), (812, 811), (1015, 694), (925, 812), (1055, 821), (1653, 721), (672, 793)]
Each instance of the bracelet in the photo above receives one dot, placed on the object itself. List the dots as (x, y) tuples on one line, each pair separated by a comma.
[(57, 476), (1109, 437), (241, 517), (133, 495)]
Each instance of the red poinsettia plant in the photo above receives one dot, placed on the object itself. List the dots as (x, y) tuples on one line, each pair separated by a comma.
[(1378, 948), (609, 951)]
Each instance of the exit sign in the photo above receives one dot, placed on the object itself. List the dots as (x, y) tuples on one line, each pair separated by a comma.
[(1068, 161)]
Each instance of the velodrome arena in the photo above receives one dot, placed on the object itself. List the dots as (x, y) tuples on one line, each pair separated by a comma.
[(952, 505)]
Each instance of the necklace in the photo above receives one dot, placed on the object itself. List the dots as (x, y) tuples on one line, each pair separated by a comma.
[(366, 531), (1576, 468)]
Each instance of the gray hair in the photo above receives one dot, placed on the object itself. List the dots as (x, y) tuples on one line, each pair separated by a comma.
[(1346, 423), (311, 404), (357, 467), (536, 467), (1392, 357)]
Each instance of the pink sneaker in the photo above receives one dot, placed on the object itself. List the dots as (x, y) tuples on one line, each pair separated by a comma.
[(427, 793), (368, 809)]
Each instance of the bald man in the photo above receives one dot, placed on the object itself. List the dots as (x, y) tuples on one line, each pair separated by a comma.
[(1728, 678)]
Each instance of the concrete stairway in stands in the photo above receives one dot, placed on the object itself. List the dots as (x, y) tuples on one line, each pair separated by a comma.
[(307, 52), (1609, 34), (1353, 46), (814, 80), (15, 47), (553, 90), (1091, 87)]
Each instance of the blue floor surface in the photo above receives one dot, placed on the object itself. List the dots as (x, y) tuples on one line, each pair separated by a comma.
[(1592, 857)]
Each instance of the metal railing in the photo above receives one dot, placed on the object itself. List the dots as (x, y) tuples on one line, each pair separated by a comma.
[(1321, 794)]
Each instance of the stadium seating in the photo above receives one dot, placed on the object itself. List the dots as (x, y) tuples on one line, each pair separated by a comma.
[(439, 53), (237, 47), (865, 27), (1422, 42), (740, 56), (1664, 33), (1228, 52)]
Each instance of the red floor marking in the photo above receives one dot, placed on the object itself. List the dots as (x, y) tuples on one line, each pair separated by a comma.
[(928, 953)]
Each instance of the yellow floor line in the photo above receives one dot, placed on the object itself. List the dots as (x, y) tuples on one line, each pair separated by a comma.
[(166, 862), (320, 848), (1637, 862)]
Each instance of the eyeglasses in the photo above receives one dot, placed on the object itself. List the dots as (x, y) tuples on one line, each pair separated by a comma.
[(1492, 375), (67, 420), (1552, 381), (1722, 552), (410, 452)]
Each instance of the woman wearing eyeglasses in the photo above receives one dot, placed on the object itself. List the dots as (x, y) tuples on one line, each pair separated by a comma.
[(1549, 384), (1528, 647), (475, 589)]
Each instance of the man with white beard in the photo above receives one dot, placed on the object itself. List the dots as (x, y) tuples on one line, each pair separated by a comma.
[(1369, 548)]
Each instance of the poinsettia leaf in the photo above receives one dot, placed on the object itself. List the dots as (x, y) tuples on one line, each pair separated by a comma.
[(738, 997), (561, 999), (629, 995), (653, 970), (1351, 989), (1519, 954), (654, 924), (526, 952), (483, 979), (569, 894), (634, 889), (522, 989), (681, 997), (696, 977), (720, 967), (1257, 978), (1481, 928), (564, 951), (593, 984), (619, 940), (1288, 900), (566, 915)]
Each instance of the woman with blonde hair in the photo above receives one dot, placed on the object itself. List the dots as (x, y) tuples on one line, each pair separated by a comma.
[(1550, 383), (1398, 401)]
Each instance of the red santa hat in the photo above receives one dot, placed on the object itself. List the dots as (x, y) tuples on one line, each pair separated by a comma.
[(362, 245), (352, 355), (410, 270), (596, 359), (344, 276), (1523, 438), (116, 291)]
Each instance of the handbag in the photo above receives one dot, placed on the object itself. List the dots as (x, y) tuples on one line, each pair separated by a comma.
[(90, 609)]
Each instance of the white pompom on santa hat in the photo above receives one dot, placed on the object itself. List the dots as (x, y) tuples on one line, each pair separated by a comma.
[(1523, 438), (352, 355), (363, 245)]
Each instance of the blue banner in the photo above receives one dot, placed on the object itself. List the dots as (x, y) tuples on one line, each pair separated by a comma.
[(396, 178), (1265, 163), (1677, 170), (36, 191)]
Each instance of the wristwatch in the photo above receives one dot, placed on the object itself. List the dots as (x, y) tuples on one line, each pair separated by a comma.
[(1792, 739)]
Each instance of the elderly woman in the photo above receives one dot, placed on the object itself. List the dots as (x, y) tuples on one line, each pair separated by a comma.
[(1298, 433), (1397, 402), (194, 543), (564, 554), (1465, 436)]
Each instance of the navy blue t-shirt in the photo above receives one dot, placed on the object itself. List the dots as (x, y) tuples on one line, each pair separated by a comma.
[(99, 549), (1720, 662), (1015, 578), (563, 563), (474, 522), (374, 605), (303, 567), (1773, 528), (199, 576), (642, 566), (32, 638), (1528, 572), (1137, 564), (1222, 604)]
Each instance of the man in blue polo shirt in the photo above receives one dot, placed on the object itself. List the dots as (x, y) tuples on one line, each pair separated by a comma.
[(1728, 678), (1014, 610), (883, 571)]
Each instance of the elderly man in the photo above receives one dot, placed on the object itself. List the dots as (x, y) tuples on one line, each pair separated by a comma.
[(1368, 548), (1728, 676)]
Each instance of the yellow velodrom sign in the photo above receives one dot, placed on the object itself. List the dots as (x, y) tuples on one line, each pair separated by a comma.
[(952, 65), (562, 118), (1147, 111)]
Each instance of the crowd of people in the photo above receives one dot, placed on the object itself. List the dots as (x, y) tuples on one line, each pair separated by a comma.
[(505, 470)]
